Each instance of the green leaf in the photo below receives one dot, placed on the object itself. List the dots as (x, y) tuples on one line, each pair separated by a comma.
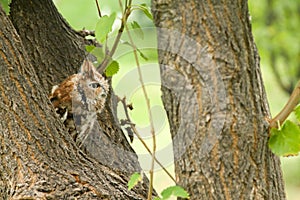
[(297, 112), (104, 26), (286, 141), (176, 191), (142, 55), (89, 48), (157, 198), (143, 7), (137, 29), (112, 68), (138, 50), (134, 179), (5, 5)]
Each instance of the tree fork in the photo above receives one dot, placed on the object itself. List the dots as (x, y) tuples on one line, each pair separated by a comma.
[(39, 159)]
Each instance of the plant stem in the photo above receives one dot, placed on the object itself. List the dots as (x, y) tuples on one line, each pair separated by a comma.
[(98, 8), (109, 55), (149, 113), (288, 108), (123, 101)]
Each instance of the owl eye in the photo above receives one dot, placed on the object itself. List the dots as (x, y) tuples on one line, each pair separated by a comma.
[(94, 85), (103, 95)]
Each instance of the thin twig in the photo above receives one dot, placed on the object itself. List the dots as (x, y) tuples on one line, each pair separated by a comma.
[(98, 8), (149, 112), (132, 126), (288, 108)]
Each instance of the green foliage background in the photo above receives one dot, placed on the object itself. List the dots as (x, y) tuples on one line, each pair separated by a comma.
[(276, 28)]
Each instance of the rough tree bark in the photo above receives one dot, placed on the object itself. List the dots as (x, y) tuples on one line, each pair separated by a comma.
[(215, 100), (39, 160), (56, 51)]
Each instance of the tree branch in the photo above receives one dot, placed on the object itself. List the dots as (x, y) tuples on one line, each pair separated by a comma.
[(109, 55), (288, 108)]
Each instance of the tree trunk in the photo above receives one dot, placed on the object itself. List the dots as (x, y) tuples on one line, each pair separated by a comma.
[(54, 49), (215, 100), (39, 159)]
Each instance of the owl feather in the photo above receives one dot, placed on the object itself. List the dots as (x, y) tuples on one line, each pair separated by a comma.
[(78, 100)]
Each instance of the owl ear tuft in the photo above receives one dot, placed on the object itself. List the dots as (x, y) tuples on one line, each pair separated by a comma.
[(87, 68)]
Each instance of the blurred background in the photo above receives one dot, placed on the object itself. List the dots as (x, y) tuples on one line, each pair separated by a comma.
[(276, 28)]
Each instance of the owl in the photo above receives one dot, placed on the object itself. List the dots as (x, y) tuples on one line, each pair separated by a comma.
[(79, 99)]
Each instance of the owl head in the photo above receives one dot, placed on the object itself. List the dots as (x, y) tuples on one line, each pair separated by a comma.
[(81, 93), (90, 89)]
